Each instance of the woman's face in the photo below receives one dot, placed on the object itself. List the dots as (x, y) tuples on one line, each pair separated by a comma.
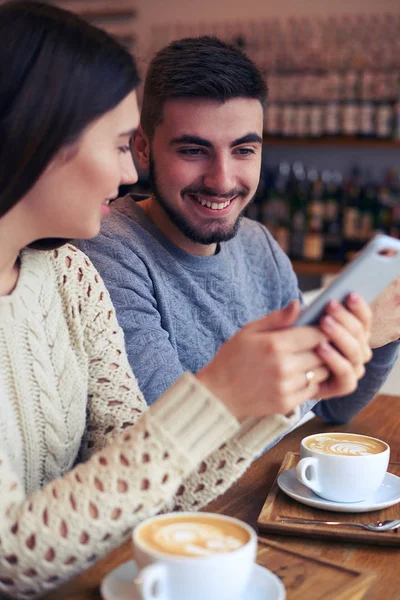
[(72, 195)]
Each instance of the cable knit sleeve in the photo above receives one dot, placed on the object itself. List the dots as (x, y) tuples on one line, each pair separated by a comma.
[(216, 473), (114, 399), (73, 521)]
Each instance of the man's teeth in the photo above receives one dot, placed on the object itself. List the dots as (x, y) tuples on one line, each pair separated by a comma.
[(213, 205)]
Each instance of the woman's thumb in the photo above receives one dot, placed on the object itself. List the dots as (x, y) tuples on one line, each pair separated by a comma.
[(279, 319)]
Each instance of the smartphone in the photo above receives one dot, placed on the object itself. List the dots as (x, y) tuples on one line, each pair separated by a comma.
[(373, 269)]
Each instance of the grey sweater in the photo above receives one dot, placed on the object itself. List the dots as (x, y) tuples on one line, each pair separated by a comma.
[(177, 309)]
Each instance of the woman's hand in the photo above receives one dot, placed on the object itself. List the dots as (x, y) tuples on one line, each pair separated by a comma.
[(262, 369), (270, 367)]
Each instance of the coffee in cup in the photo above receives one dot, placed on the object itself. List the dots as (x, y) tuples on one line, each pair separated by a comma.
[(193, 555), (343, 467), (198, 535), (342, 444)]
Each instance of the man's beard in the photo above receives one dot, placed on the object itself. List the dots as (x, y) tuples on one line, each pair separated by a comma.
[(210, 232)]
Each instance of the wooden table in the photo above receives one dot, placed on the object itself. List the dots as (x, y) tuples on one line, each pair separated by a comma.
[(246, 498)]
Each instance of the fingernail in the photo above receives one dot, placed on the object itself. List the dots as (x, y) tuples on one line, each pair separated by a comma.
[(334, 304), (328, 323), (354, 298), (324, 348)]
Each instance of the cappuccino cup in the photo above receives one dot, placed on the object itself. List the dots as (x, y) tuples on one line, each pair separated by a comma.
[(343, 467), (194, 556)]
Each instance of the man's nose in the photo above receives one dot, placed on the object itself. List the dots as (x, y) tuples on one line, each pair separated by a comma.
[(220, 176)]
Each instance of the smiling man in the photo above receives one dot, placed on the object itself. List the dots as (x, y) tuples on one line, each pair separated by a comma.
[(203, 176), (184, 268)]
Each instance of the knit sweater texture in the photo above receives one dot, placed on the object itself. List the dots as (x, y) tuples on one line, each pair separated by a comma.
[(177, 309), (82, 459)]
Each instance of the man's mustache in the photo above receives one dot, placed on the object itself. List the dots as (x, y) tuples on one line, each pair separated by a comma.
[(206, 191)]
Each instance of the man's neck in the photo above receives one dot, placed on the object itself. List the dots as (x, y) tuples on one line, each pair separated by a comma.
[(160, 219)]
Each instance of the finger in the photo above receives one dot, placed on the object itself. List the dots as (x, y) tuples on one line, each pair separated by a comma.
[(354, 349), (297, 398), (349, 320), (303, 361), (343, 378), (317, 376), (278, 319), (297, 339), (359, 307), (291, 365), (359, 327)]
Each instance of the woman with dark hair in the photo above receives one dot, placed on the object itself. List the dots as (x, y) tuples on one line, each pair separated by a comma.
[(81, 458)]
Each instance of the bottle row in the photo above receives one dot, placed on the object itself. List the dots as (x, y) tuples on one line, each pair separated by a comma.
[(321, 215), (335, 42), (348, 118), (334, 86)]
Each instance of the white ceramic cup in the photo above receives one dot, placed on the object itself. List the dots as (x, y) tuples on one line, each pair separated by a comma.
[(220, 576), (349, 472)]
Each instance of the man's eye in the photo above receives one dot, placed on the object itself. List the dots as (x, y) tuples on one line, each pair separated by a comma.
[(124, 149), (245, 151), (191, 151)]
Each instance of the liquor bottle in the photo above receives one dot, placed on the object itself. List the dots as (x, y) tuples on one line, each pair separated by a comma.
[(368, 207), (395, 218), (289, 120), (313, 241), (303, 120), (396, 121), (352, 214), (316, 120), (384, 209), (332, 225), (332, 118), (298, 211), (367, 119), (384, 120), (349, 118), (273, 119), (274, 211)]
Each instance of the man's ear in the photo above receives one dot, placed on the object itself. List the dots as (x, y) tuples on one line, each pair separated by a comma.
[(141, 146)]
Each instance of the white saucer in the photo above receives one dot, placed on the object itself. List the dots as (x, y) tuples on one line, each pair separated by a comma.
[(118, 585), (387, 494)]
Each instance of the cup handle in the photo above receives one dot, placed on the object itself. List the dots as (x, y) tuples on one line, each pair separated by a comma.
[(151, 582), (307, 473)]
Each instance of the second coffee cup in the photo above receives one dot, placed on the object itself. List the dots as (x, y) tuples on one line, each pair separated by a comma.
[(342, 467), (194, 556)]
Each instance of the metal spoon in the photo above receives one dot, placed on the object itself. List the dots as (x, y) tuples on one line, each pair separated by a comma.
[(388, 525)]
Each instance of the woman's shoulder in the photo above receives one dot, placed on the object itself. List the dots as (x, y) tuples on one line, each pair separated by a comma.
[(77, 278)]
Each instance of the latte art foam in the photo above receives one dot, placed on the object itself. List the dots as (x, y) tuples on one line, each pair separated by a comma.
[(194, 537), (343, 445)]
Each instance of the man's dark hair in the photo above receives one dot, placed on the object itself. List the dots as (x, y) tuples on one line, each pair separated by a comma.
[(57, 75), (202, 67)]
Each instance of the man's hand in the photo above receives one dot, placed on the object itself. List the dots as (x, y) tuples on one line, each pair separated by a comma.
[(386, 316)]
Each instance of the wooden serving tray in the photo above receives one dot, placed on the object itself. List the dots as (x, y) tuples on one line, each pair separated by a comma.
[(311, 578), (278, 505)]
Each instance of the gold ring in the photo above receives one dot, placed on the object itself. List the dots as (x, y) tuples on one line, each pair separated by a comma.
[(310, 376)]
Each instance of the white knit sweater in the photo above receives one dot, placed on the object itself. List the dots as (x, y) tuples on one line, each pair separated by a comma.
[(68, 397)]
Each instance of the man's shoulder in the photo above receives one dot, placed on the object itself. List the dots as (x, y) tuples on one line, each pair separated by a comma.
[(253, 230), (258, 245), (121, 230), (252, 237), (122, 220)]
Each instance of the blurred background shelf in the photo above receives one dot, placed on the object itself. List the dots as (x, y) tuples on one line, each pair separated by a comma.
[(320, 269), (332, 142)]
